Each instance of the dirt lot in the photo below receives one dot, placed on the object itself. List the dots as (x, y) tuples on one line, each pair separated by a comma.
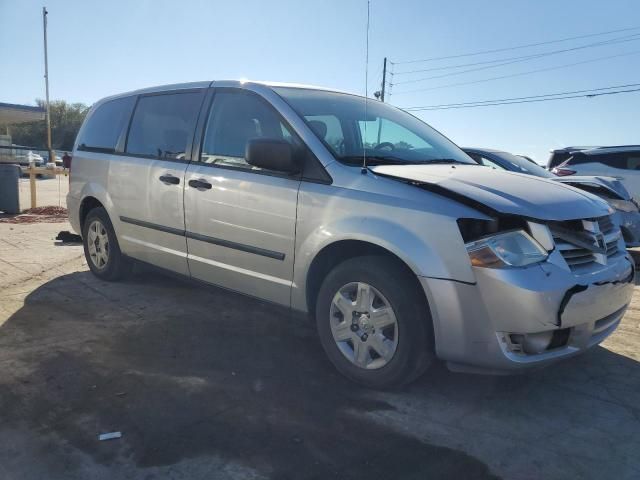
[(208, 384), (49, 191)]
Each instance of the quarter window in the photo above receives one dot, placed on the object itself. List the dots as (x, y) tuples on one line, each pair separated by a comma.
[(162, 125), (236, 118), (623, 161), (105, 125)]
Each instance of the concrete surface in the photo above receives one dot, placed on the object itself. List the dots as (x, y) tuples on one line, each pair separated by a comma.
[(27, 250), (208, 384), (49, 192)]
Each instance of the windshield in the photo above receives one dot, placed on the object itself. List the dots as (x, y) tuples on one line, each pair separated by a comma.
[(522, 165), (386, 134)]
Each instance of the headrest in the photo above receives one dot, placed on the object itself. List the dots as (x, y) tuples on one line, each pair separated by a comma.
[(320, 128)]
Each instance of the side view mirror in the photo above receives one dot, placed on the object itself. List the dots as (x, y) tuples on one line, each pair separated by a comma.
[(271, 154)]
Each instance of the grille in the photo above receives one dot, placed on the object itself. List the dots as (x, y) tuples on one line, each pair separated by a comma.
[(584, 242)]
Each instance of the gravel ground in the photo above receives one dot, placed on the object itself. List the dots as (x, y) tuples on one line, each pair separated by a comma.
[(207, 384)]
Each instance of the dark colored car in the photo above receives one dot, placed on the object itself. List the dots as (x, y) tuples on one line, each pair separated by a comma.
[(561, 155)]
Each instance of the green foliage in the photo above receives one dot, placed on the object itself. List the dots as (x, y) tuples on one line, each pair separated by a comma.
[(66, 119)]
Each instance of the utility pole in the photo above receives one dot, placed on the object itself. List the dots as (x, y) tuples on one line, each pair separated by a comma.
[(52, 157), (384, 79)]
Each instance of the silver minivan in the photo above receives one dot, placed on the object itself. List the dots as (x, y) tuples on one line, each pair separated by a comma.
[(400, 246)]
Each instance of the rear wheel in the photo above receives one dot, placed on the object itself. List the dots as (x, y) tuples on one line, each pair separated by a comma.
[(373, 322), (101, 247)]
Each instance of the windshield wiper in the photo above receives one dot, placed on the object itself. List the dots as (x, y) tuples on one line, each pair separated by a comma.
[(389, 159), (447, 160), (375, 160)]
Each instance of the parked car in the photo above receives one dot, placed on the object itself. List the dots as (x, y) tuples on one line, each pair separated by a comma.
[(562, 155), (57, 160), (622, 163), (400, 246), (528, 159), (29, 158), (608, 188)]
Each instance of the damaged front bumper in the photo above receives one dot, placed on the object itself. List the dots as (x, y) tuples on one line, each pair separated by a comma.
[(630, 225), (517, 318)]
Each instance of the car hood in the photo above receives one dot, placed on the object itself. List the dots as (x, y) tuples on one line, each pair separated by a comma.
[(501, 191), (608, 184)]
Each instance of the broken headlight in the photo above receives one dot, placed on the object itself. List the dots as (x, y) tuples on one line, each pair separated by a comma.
[(623, 205), (510, 249)]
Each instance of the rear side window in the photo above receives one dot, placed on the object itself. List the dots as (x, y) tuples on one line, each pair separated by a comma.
[(622, 160), (105, 125), (162, 125), (615, 161)]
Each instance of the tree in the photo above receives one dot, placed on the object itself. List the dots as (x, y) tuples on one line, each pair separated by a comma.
[(66, 119)]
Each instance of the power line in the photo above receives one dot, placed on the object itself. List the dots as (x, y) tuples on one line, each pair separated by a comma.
[(558, 67), (592, 95), (509, 60), (501, 100), (496, 50), (490, 66)]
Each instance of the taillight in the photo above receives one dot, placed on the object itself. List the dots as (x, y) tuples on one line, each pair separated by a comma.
[(563, 171)]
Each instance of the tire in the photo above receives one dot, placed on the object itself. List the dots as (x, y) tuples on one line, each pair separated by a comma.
[(101, 248), (395, 354)]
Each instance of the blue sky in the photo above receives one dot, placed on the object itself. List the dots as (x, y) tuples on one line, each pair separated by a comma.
[(101, 48)]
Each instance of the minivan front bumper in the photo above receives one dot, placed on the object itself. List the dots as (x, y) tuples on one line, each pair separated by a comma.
[(490, 326)]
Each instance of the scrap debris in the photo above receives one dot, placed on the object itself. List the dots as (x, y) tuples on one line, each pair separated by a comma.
[(38, 215), (66, 236), (109, 436)]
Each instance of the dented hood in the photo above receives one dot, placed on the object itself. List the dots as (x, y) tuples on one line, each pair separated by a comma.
[(501, 191)]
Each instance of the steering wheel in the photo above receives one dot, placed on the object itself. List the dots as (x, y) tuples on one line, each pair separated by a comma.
[(382, 145)]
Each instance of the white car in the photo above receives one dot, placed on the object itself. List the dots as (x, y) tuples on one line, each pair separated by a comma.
[(622, 163), (27, 159)]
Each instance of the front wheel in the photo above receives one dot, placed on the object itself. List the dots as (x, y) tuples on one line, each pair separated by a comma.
[(101, 247), (374, 323)]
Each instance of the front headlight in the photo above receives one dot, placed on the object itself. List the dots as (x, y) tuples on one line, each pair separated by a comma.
[(623, 205), (511, 249)]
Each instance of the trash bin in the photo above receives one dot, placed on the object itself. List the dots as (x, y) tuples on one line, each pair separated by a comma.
[(9, 188)]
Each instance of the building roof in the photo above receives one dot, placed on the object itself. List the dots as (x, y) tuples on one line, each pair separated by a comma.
[(11, 113)]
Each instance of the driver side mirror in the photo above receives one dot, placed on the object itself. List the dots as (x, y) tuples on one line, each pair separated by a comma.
[(271, 154)]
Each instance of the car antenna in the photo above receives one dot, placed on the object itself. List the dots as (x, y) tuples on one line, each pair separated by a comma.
[(366, 97)]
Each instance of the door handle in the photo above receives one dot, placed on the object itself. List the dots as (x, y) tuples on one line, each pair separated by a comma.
[(200, 184), (169, 179)]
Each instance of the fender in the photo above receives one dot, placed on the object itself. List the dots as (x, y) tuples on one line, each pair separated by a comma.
[(417, 251), (97, 191)]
